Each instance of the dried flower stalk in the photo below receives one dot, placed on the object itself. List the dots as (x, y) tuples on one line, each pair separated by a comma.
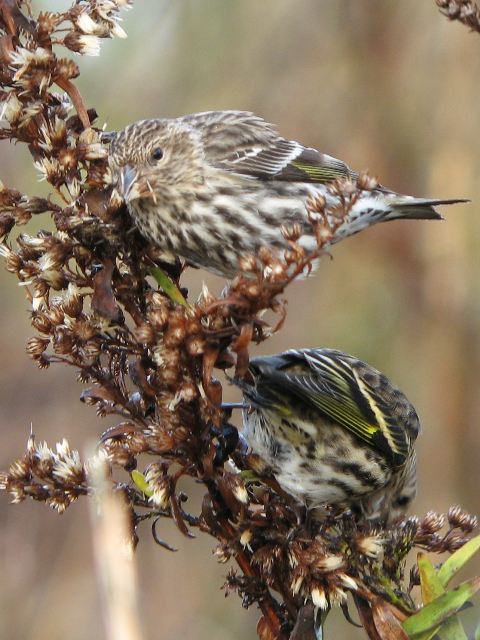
[(148, 356)]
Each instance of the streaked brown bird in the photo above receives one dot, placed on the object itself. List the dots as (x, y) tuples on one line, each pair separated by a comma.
[(214, 187), (333, 430)]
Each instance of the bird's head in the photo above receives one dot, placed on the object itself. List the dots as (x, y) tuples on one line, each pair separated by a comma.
[(150, 159)]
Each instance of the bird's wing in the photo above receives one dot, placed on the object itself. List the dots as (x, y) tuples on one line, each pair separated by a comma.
[(378, 414), (241, 142)]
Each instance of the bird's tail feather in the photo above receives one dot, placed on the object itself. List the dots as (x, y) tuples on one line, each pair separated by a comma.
[(419, 208)]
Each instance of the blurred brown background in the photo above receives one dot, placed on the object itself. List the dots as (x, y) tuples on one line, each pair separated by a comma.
[(385, 85)]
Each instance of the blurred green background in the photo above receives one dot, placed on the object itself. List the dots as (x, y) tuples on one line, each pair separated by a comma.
[(387, 86)]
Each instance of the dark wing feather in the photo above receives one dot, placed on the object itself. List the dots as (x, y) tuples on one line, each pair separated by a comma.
[(330, 382), (241, 142)]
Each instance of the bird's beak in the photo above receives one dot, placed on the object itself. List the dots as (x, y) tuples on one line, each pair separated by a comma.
[(128, 177)]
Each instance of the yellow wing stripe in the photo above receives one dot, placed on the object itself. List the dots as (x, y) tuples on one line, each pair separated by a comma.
[(336, 411), (383, 426), (317, 172)]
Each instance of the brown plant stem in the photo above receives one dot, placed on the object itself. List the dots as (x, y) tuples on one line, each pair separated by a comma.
[(265, 604), (76, 98)]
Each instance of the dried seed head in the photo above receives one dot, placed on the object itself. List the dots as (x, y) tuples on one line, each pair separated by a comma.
[(292, 232), (160, 485), (206, 298), (366, 182), (40, 288), (13, 262), (246, 538), (266, 255), (90, 147), (47, 22), (461, 519), (85, 45), (11, 109), (239, 490), (67, 467), (347, 581), (56, 315), (145, 333), (63, 342), (319, 597), (36, 346), (85, 24), (158, 317), (72, 303), (248, 264), (432, 522), (253, 290), (337, 596), (174, 335), (222, 554), (20, 469), (196, 345), (83, 328), (329, 563), (7, 222), (316, 204), (296, 585)]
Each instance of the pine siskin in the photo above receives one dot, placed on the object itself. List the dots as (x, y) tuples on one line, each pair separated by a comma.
[(333, 430), (214, 187)]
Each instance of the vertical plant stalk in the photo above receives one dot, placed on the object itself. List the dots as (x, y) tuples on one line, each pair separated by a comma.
[(114, 560)]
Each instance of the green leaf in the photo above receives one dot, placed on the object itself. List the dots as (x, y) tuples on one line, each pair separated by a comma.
[(432, 588), (429, 580), (442, 608), (428, 635), (140, 482), (452, 629), (168, 286), (458, 560)]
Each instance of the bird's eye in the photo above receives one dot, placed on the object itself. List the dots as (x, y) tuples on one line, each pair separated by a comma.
[(157, 154)]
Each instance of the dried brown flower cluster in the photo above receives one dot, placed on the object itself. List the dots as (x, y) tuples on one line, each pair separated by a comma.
[(321, 562), (148, 355), (465, 11)]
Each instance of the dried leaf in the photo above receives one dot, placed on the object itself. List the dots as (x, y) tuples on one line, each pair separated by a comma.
[(138, 375), (387, 625), (178, 517), (103, 298), (366, 616), (264, 630), (97, 203), (227, 486), (304, 628), (208, 513), (100, 393)]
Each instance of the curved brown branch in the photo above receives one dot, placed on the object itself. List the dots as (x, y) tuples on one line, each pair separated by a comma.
[(77, 100)]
